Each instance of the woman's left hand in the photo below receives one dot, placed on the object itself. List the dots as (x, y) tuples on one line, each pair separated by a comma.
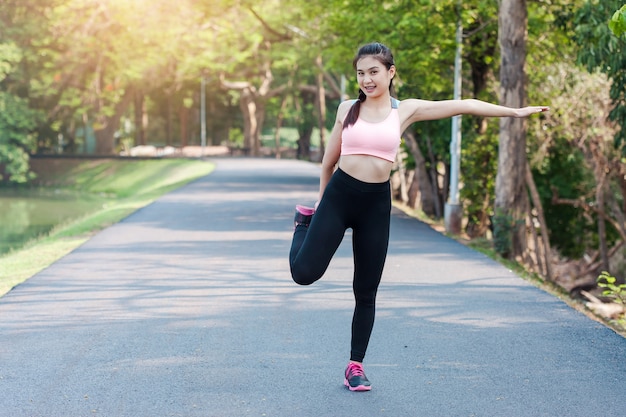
[(528, 111)]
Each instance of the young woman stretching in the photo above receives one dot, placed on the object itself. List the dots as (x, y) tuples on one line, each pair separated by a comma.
[(357, 195)]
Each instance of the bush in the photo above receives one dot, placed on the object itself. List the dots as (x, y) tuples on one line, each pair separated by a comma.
[(17, 122)]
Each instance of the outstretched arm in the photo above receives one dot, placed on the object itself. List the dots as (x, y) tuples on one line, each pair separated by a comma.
[(415, 110)]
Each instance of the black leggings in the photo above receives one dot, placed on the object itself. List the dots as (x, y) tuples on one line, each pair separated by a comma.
[(364, 207)]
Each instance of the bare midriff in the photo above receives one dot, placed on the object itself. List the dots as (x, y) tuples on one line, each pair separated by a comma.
[(366, 168)]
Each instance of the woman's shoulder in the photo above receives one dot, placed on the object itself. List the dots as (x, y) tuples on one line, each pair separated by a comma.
[(347, 103), (344, 108)]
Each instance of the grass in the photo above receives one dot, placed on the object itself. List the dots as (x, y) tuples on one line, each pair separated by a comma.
[(129, 185)]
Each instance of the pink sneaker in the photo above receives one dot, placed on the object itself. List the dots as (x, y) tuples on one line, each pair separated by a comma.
[(304, 210), (304, 215), (355, 378)]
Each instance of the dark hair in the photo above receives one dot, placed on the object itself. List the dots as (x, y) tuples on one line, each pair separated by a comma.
[(381, 53)]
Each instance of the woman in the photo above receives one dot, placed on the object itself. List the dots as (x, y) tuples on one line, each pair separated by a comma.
[(356, 195)]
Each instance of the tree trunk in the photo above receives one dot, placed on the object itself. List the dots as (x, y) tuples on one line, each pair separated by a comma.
[(305, 125), (250, 125), (260, 118), (404, 193), (252, 105), (543, 225), (321, 104), (621, 179), (279, 124), (183, 115), (141, 118), (438, 199), (511, 197), (304, 142), (108, 125), (421, 186), (169, 118), (604, 251)]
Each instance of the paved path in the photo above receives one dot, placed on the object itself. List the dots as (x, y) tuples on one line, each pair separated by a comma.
[(186, 308)]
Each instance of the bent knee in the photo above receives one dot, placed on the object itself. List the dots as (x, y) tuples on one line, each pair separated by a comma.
[(304, 277), (301, 281)]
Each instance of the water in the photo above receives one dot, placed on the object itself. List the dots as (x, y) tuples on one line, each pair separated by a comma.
[(29, 214)]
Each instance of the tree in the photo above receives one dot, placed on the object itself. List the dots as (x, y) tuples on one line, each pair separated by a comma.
[(251, 71), (17, 119), (601, 50), (17, 139), (602, 199), (579, 172), (101, 60), (511, 199)]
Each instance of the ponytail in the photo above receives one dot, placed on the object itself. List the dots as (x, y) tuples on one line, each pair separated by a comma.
[(353, 114)]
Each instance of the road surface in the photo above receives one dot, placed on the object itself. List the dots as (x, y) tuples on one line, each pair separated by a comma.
[(187, 308)]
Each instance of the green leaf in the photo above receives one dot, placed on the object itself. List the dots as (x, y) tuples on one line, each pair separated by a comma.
[(617, 24)]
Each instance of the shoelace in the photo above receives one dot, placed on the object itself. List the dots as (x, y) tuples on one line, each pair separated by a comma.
[(355, 370)]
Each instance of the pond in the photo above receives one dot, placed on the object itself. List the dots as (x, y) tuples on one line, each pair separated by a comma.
[(29, 214)]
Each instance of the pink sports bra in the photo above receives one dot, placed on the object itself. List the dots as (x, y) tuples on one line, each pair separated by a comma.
[(380, 139)]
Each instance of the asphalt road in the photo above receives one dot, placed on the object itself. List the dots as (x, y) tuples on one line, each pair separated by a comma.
[(187, 308)]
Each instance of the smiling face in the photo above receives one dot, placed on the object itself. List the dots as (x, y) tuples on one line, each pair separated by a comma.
[(373, 76)]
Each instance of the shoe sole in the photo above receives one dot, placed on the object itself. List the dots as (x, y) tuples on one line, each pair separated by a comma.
[(304, 210), (358, 387)]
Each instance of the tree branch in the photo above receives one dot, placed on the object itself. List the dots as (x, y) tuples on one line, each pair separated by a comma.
[(333, 85), (234, 85), (313, 89), (588, 208), (271, 30)]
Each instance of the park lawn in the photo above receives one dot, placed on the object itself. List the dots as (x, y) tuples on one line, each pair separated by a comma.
[(129, 185)]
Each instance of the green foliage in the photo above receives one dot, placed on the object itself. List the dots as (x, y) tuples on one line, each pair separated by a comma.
[(616, 292), (617, 24), (566, 145), (77, 60), (479, 167), (235, 137), (17, 121), (613, 290), (10, 56), (601, 50), (563, 171)]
